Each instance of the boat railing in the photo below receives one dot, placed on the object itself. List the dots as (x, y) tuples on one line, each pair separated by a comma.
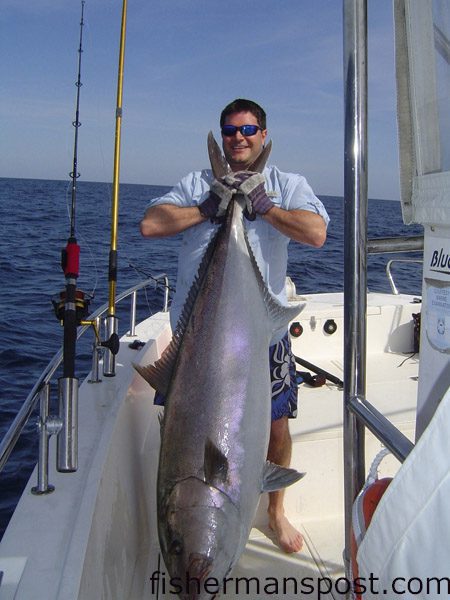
[(50, 424), (396, 244), (366, 413), (412, 243), (394, 288)]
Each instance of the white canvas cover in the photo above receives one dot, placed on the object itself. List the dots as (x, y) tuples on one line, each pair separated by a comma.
[(406, 550), (422, 32)]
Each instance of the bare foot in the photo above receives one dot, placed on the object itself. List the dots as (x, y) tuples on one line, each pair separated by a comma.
[(289, 539)]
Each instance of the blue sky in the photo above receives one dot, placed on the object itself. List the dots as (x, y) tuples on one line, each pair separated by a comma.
[(186, 59)]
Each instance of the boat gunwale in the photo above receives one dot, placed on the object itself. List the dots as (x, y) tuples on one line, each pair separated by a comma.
[(14, 431)]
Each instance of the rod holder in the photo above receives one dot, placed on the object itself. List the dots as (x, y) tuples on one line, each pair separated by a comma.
[(43, 486), (111, 346), (67, 445), (95, 371)]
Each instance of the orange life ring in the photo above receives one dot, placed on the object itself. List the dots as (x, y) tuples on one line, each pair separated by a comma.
[(363, 510)]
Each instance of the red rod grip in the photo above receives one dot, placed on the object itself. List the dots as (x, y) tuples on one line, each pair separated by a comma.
[(72, 259)]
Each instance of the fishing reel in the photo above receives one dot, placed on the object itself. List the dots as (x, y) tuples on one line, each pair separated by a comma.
[(82, 301), (77, 300)]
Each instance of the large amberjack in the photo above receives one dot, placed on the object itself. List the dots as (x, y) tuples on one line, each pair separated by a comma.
[(215, 430)]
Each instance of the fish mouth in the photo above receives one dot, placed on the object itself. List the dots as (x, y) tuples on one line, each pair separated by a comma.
[(199, 567)]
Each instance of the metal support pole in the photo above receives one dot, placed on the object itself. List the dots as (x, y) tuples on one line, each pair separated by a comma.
[(96, 351), (67, 445), (132, 332), (355, 251), (166, 293), (413, 243)]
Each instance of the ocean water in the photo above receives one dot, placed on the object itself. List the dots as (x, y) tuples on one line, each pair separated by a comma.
[(34, 227)]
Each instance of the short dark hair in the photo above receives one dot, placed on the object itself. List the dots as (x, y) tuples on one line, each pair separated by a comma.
[(242, 105)]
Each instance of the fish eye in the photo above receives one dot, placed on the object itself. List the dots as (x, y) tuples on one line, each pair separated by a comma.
[(176, 548)]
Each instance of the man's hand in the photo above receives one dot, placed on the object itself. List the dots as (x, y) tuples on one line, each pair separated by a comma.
[(216, 204), (257, 200)]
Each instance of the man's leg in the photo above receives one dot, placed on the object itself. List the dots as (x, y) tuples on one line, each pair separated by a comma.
[(279, 452)]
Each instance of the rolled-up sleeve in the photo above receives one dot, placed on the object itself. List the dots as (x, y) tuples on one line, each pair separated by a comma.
[(295, 193), (301, 196), (188, 192)]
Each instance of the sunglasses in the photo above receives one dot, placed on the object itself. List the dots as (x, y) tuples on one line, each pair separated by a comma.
[(246, 130)]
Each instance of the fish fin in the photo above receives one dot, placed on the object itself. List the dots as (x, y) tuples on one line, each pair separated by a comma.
[(159, 374), (215, 464), (277, 478), (279, 314), (219, 165), (258, 165)]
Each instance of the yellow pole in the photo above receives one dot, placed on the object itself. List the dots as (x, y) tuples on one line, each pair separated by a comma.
[(115, 198), (112, 339)]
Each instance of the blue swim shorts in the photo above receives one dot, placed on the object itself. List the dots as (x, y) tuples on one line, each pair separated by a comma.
[(283, 380)]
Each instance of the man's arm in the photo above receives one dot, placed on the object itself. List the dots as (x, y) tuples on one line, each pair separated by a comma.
[(302, 226), (298, 224), (168, 219)]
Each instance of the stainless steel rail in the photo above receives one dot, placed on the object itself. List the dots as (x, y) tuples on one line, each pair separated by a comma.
[(382, 428), (12, 435), (358, 412), (396, 244), (355, 251), (389, 274), (413, 243)]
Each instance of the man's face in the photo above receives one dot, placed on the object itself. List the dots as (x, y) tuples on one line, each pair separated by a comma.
[(241, 151)]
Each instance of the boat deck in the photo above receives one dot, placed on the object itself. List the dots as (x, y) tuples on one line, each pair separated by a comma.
[(108, 547)]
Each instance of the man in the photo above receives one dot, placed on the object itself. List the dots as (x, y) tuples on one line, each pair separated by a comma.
[(280, 207)]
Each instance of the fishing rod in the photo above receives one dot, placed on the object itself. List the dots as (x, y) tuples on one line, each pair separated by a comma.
[(71, 308), (74, 174), (112, 343)]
